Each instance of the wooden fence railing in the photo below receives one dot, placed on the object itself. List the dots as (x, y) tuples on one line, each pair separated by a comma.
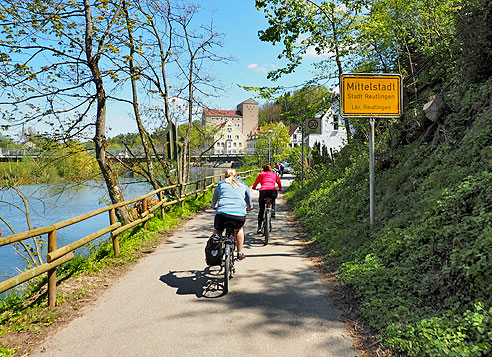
[(58, 256)]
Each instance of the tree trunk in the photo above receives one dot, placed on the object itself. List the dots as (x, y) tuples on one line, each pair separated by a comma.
[(114, 191), (161, 84), (141, 130), (339, 66), (186, 145)]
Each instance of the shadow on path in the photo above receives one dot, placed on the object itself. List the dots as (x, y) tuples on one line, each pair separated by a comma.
[(207, 283)]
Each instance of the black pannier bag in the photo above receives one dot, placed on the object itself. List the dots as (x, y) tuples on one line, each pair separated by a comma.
[(213, 250)]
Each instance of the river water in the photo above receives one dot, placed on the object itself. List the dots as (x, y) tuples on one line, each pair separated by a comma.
[(49, 204)]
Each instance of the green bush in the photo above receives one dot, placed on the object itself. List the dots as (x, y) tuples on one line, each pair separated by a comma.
[(423, 274)]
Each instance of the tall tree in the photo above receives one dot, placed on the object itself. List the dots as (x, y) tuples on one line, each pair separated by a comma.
[(328, 27), (149, 173), (197, 48), (163, 35), (52, 72), (273, 140)]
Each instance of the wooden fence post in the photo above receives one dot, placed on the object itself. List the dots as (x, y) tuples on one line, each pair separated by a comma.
[(196, 189), (144, 209), (163, 212), (52, 272), (114, 237)]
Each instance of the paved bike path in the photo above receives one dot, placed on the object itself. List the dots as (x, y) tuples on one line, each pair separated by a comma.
[(170, 303)]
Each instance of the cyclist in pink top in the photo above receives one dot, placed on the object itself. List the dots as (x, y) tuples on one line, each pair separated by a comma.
[(267, 180)]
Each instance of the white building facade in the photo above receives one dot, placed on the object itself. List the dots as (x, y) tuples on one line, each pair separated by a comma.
[(251, 141), (229, 139), (333, 134)]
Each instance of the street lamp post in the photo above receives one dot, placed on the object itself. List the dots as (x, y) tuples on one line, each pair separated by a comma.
[(269, 154)]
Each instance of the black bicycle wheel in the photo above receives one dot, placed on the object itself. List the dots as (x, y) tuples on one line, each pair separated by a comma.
[(227, 268), (266, 225)]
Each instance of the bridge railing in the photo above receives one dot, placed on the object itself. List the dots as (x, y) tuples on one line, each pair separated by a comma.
[(57, 256)]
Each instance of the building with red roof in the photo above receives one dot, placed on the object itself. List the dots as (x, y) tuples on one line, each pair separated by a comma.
[(233, 125), (245, 117)]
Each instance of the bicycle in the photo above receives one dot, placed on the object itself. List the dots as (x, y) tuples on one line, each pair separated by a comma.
[(228, 258), (267, 219)]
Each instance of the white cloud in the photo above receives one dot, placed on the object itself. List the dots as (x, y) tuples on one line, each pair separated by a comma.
[(264, 69), (311, 50), (311, 53)]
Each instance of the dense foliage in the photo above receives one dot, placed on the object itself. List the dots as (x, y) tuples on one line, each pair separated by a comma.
[(423, 274), (55, 163), (292, 107), (272, 142)]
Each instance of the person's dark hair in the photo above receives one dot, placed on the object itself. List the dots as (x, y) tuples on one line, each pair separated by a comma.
[(267, 167)]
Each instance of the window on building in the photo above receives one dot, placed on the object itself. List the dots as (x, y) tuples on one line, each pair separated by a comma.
[(229, 129), (235, 144), (240, 144), (237, 136), (229, 136)]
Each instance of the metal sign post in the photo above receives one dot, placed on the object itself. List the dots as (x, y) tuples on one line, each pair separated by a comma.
[(371, 95), (312, 126), (371, 172), (302, 154)]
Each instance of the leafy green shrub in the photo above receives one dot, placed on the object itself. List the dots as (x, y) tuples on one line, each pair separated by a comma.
[(423, 274)]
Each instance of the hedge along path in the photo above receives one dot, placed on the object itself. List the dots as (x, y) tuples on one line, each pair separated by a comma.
[(58, 256)]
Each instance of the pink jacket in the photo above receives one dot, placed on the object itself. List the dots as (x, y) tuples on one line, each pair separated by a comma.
[(267, 180)]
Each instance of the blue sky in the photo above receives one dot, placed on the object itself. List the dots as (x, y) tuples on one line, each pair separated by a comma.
[(240, 22)]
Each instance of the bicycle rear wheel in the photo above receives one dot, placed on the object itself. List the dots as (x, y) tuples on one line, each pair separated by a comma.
[(267, 225), (227, 268)]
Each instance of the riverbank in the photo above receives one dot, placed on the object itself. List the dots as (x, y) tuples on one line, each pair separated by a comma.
[(25, 320), (59, 164)]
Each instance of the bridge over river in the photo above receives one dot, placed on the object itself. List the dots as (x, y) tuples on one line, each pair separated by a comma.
[(170, 304), (123, 155)]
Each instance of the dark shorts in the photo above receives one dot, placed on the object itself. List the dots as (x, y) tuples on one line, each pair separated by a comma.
[(221, 219), (264, 194)]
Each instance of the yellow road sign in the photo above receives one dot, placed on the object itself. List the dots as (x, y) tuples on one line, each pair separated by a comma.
[(370, 95)]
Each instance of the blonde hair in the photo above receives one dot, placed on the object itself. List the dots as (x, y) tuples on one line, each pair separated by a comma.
[(230, 175)]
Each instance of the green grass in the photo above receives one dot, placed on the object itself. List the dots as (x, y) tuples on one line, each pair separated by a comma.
[(423, 275), (17, 311)]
